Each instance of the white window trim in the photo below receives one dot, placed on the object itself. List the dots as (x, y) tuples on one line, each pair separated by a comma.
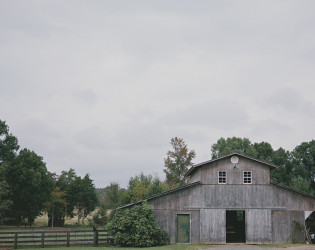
[(219, 177), (251, 177)]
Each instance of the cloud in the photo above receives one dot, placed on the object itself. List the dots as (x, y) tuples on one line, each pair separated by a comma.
[(102, 87), (212, 114)]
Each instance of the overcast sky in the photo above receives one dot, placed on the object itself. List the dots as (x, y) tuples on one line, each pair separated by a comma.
[(103, 86)]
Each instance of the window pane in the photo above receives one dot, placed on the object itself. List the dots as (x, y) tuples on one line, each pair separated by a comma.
[(247, 177), (222, 177)]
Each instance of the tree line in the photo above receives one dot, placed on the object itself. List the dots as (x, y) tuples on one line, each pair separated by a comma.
[(27, 188)]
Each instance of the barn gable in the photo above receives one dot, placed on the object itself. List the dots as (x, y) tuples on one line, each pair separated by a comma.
[(209, 172)]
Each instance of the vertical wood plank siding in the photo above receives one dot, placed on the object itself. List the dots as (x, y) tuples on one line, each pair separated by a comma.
[(258, 226), (212, 226)]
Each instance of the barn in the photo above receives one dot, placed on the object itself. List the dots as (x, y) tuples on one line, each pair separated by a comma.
[(232, 199)]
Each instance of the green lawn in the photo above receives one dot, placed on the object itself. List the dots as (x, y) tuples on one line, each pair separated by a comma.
[(168, 247), (174, 247)]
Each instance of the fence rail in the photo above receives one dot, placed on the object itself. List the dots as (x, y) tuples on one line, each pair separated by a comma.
[(65, 238)]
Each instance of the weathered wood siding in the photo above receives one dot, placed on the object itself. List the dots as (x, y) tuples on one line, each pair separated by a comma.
[(167, 207), (212, 226), (167, 220), (258, 226), (283, 226), (208, 174)]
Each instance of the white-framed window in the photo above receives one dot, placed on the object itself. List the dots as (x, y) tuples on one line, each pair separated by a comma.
[(222, 177), (247, 177)]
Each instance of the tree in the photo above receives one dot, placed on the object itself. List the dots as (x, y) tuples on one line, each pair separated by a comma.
[(8, 148), (30, 183), (111, 196), (56, 207), (136, 227), (142, 186), (8, 144), (81, 192), (304, 154), (301, 184), (231, 145), (264, 151), (177, 162), (59, 205), (5, 202)]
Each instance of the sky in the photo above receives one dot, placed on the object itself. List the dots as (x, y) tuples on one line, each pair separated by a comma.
[(103, 86)]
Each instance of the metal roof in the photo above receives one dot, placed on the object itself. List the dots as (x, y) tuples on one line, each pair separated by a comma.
[(194, 167)]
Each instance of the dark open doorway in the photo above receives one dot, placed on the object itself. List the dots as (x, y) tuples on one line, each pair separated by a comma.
[(235, 226)]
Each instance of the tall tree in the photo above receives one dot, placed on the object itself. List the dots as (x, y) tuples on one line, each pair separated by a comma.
[(111, 196), (5, 201), (56, 207), (177, 162), (234, 144), (8, 143), (142, 186), (264, 151), (81, 192), (61, 207), (31, 185), (304, 154), (8, 150)]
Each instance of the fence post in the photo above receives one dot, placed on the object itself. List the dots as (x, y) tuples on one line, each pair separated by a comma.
[(68, 238), (43, 238), (15, 240), (95, 238)]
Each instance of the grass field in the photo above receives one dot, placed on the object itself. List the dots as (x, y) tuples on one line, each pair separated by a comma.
[(168, 247), (42, 221), (180, 247)]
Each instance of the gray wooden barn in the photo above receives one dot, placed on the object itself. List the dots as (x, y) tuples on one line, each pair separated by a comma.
[(231, 199)]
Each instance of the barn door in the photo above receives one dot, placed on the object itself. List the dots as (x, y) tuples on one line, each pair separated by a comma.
[(183, 228)]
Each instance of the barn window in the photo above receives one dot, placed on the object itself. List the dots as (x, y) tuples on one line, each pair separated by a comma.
[(247, 177), (222, 177)]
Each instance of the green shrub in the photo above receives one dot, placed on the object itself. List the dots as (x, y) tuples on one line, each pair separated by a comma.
[(136, 227)]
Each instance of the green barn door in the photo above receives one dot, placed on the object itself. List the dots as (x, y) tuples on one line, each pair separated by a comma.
[(183, 228)]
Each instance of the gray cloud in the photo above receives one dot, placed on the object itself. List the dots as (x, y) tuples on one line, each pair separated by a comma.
[(214, 114), (102, 87)]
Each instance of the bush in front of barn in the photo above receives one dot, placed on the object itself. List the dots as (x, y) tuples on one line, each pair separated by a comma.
[(136, 227)]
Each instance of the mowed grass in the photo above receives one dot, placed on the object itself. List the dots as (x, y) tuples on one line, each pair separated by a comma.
[(168, 247), (183, 247)]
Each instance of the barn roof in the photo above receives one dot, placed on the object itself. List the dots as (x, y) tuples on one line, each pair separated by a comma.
[(194, 167)]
